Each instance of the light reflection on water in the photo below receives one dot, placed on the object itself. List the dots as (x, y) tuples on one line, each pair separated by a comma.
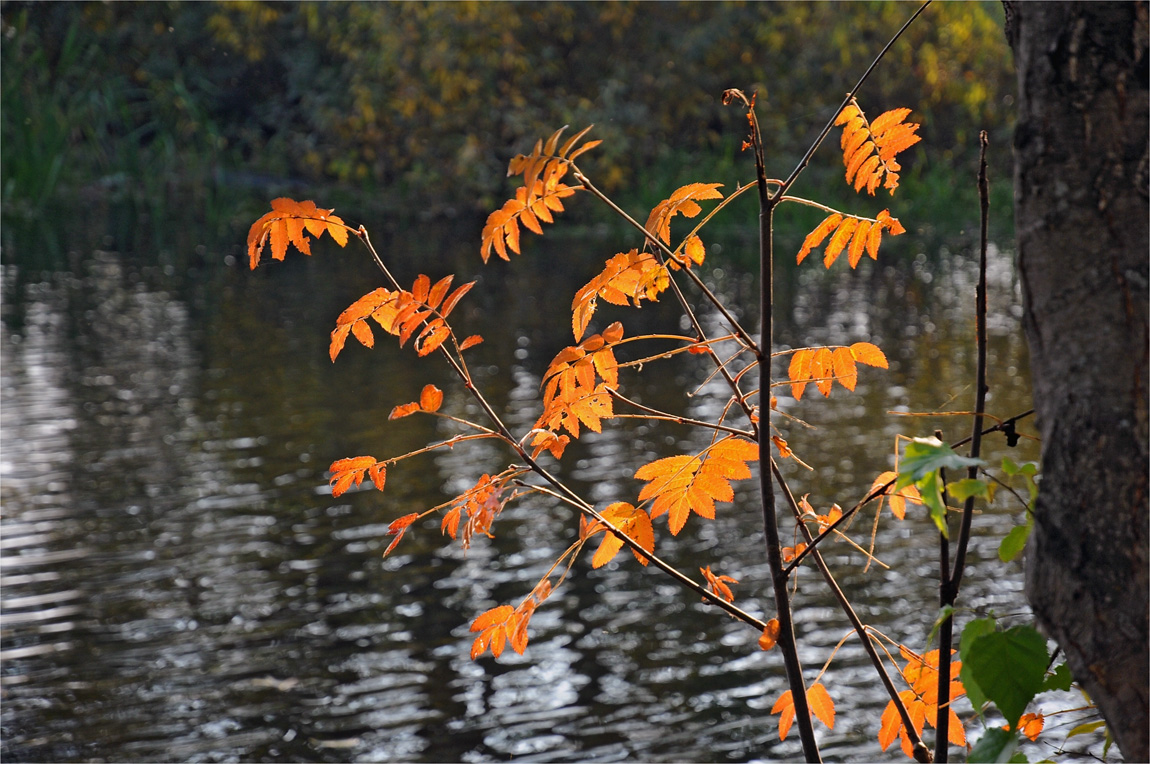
[(178, 583)]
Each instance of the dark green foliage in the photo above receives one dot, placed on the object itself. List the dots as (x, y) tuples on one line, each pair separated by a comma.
[(427, 101)]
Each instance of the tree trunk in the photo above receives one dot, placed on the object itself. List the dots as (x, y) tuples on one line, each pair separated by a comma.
[(1081, 215)]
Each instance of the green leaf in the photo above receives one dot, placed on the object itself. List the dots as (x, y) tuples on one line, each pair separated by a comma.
[(930, 489), (971, 632), (1018, 758), (944, 612), (1009, 467), (926, 455), (1015, 541), (920, 464), (1009, 667), (994, 746), (1059, 679), (967, 487), (1085, 729)]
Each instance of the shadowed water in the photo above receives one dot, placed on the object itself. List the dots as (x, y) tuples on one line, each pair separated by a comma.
[(180, 585)]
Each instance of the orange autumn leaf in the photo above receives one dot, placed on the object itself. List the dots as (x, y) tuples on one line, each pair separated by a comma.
[(680, 485), (346, 473), (682, 201), (572, 392), (784, 449), (815, 237), (633, 276), (503, 625), (538, 197), (790, 553), (785, 706), (545, 440), (397, 528), (404, 409), (770, 636), (821, 704), (470, 342), (481, 503), (898, 501), (869, 148), (1030, 725), (921, 700), (420, 312), (694, 251), (718, 584), (492, 628), (634, 523), (823, 366), (819, 701), (853, 235), (430, 399), (287, 223)]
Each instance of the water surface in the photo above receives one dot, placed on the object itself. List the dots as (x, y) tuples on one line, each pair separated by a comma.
[(179, 584)]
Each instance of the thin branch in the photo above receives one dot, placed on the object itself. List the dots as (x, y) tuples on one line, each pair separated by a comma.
[(671, 571), (786, 637), (917, 745), (854, 91), (878, 491), (952, 579), (656, 414), (744, 337)]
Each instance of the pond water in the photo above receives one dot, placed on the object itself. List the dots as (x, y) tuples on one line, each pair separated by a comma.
[(180, 585)]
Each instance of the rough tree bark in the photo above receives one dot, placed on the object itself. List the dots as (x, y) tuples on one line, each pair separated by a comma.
[(1081, 215)]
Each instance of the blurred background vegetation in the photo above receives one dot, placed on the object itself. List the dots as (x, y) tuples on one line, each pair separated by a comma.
[(415, 108)]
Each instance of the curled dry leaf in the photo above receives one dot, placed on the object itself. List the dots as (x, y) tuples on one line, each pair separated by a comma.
[(718, 584), (770, 635), (682, 201), (397, 528)]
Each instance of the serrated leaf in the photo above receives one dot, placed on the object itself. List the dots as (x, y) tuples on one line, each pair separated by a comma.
[(869, 354), (1009, 667), (634, 523), (346, 473), (680, 485), (285, 225), (683, 201), (470, 342), (869, 149), (821, 704)]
